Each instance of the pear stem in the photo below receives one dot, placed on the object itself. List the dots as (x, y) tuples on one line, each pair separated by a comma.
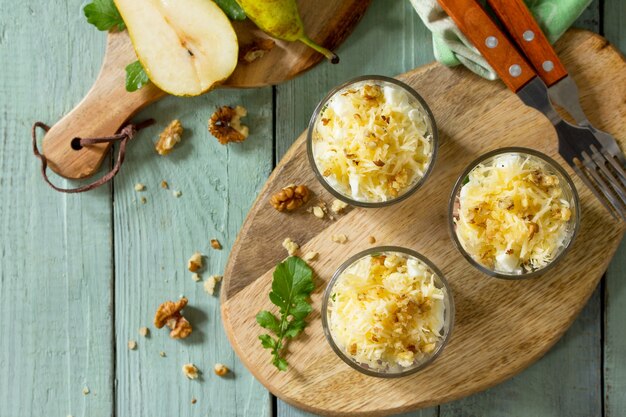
[(331, 56)]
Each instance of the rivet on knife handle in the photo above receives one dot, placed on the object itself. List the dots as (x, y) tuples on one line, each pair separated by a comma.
[(523, 28), (497, 49)]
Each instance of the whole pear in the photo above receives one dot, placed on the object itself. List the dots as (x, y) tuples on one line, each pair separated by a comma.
[(281, 19)]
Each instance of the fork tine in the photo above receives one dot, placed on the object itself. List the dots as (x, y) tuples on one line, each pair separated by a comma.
[(605, 202), (618, 185), (618, 165), (599, 185)]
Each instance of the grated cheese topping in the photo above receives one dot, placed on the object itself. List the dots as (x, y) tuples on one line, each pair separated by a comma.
[(386, 311), (513, 216), (371, 143)]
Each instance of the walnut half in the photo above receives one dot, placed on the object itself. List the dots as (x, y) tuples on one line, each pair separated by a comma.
[(168, 314), (225, 124), (290, 198), (169, 137)]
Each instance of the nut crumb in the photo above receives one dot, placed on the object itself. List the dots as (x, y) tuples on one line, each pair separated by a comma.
[(86, 390), (255, 50), (291, 246), (318, 212), (144, 200), (164, 184), (190, 371), (144, 331), (290, 197), (170, 136), (139, 187), (310, 256), (339, 238), (211, 283), (193, 401), (371, 240), (162, 354), (177, 193), (215, 244), (225, 124), (194, 263), (220, 369), (132, 345), (169, 314), (338, 206), (196, 277)]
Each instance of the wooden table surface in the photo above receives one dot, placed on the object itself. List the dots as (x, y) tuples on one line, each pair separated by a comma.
[(80, 274)]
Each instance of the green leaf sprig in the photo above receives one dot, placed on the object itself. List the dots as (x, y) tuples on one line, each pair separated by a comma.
[(104, 15), (232, 9), (292, 285), (136, 76)]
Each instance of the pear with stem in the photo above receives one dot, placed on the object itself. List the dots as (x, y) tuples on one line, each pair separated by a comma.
[(281, 19)]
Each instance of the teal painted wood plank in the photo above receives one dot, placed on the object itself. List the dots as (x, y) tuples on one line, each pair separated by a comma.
[(567, 381), (615, 290), (153, 242), (389, 40), (55, 250)]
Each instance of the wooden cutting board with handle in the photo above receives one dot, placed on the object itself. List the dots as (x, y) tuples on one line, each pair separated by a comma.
[(107, 106), (501, 326)]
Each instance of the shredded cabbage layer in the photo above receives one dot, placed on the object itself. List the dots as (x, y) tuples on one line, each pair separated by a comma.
[(372, 143), (513, 216), (386, 311)]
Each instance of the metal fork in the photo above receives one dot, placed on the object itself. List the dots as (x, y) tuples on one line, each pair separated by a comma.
[(593, 155)]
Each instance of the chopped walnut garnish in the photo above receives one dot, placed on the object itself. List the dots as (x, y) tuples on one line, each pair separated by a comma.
[(220, 369), (190, 371), (196, 277), (290, 198), (193, 401), (168, 314), (177, 193), (310, 256), (195, 262), (86, 390), (139, 187), (164, 184), (318, 212), (144, 331), (371, 240), (215, 244), (255, 50), (339, 238), (143, 200), (225, 124), (132, 344), (338, 206), (211, 283), (162, 354), (291, 246), (169, 137)]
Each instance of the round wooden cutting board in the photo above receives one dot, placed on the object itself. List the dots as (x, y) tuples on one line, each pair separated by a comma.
[(108, 105), (501, 326)]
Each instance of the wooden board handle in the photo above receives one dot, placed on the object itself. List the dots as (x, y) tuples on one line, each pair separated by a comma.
[(523, 28), (101, 113), (492, 43)]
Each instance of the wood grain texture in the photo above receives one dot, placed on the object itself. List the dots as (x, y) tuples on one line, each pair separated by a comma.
[(474, 22), (615, 288), (153, 242), (108, 105), (517, 20), (506, 346), (55, 251)]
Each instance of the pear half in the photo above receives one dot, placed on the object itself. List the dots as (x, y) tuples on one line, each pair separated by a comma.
[(185, 46)]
